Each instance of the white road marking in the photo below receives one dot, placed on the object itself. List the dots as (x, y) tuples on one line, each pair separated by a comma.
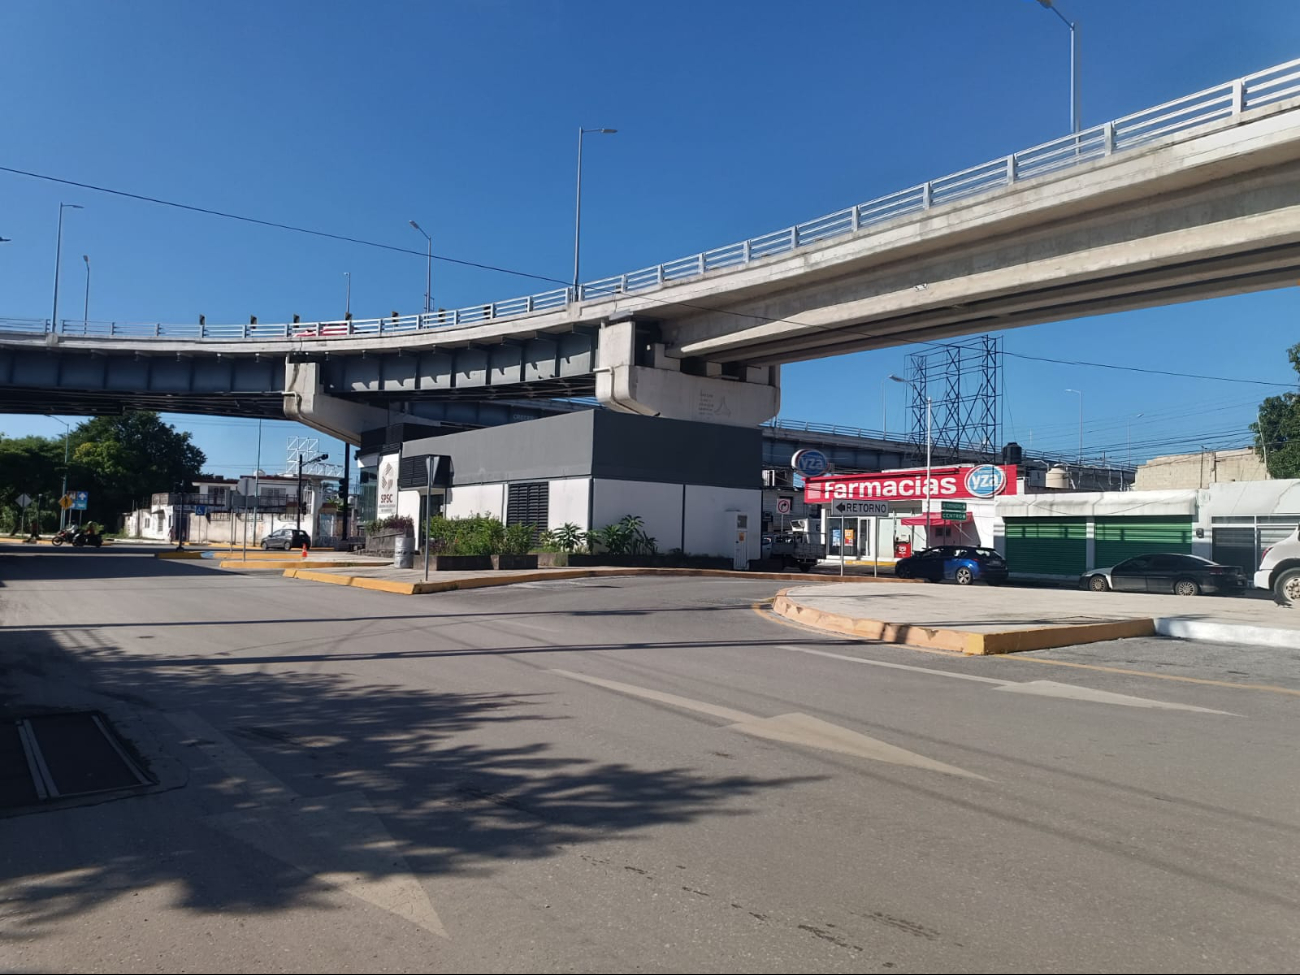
[(1050, 688), (1042, 688), (685, 703), (337, 839), (891, 666), (804, 729), (794, 728)]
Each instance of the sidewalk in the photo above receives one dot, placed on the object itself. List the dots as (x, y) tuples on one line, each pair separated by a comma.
[(986, 619)]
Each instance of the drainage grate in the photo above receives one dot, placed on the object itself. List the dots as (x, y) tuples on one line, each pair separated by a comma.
[(59, 756)]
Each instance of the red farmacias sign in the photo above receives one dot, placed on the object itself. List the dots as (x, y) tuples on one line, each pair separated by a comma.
[(984, 481)]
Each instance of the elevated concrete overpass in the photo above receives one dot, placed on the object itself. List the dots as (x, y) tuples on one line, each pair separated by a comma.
[(1196, 198)]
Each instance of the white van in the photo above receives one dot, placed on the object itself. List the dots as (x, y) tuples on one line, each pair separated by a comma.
[(1280, 570)]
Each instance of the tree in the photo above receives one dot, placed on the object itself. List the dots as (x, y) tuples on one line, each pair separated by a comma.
[(31, 466), (1277, 432), (124, 459)]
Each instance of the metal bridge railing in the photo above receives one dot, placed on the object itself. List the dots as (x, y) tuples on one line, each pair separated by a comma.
[(1267, 87)]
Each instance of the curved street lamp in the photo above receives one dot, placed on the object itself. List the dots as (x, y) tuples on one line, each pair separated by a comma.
[(577, 209), (428, 271)]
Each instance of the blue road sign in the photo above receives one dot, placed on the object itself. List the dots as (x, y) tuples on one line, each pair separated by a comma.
[(79, 500)]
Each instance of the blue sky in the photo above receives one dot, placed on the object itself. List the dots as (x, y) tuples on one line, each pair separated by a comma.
[(734, 118)]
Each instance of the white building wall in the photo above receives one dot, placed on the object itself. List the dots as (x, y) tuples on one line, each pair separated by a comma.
[(408, 505), (1249, 498), (659, 506), (570, 497), (707, 530), (468, 500)]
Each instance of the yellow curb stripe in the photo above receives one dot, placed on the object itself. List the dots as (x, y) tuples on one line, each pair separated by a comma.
[(177, 555), (960, 641), (1047, 637), (507, 578), (291, 564)]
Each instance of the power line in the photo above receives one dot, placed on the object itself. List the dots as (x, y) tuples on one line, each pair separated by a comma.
[(1152, 372), (277, 225)]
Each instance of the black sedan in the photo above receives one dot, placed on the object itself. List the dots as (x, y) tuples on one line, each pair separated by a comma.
[(1182, 575), (287, 538)]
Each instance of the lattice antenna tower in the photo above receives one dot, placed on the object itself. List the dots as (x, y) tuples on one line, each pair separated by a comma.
[(307, 448), (964, 381)]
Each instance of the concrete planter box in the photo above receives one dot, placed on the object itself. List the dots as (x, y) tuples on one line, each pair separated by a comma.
[(461, 563), (651, 561), (382, 543), (515, 561), (552, 560)]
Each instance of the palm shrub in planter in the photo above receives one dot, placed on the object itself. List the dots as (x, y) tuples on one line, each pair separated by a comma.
[(567, 538), (625, 543)]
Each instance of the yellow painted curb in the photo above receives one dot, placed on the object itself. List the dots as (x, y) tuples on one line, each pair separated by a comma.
[(293, 564), (508, 578), (173, 554), (357, 582), (961, 641), (223, 553), (1065, 635)]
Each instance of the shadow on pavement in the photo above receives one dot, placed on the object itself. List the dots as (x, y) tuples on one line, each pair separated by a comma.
[(455, 790), (31, 563)]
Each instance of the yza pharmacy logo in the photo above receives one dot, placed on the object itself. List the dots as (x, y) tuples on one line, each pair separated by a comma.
[(986, 481)]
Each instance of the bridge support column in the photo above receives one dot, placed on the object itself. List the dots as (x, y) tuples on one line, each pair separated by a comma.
[(305, 402), (635, 376)]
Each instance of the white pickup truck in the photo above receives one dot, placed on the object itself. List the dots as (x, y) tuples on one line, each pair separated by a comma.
[(794, 548), (1280, 570)]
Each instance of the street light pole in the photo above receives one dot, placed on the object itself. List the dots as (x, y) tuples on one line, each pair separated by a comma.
[(1128, 454), (1074, 62), (314, 460), (428, 270), (577, 208), (67, 428), (1080, 423), (884, 416), (347, 301), (85, 312), (58, 254)]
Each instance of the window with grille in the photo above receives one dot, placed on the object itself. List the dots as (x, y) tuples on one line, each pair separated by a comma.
[(529, 504)]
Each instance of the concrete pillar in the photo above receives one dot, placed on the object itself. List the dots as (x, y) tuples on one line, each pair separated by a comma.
[(305, 402), (662, 389)]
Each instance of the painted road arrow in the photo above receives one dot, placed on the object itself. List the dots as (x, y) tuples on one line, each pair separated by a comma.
[(794, 728)]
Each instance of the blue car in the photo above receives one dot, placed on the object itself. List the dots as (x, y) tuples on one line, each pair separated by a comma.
[(963, 564)]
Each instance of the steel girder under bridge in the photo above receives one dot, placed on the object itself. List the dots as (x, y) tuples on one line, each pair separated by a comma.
[(48, 377)]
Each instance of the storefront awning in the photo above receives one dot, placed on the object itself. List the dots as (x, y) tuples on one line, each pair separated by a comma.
[(936, 519)]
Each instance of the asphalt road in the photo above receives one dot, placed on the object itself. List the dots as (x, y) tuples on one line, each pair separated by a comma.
[(630, 775)]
